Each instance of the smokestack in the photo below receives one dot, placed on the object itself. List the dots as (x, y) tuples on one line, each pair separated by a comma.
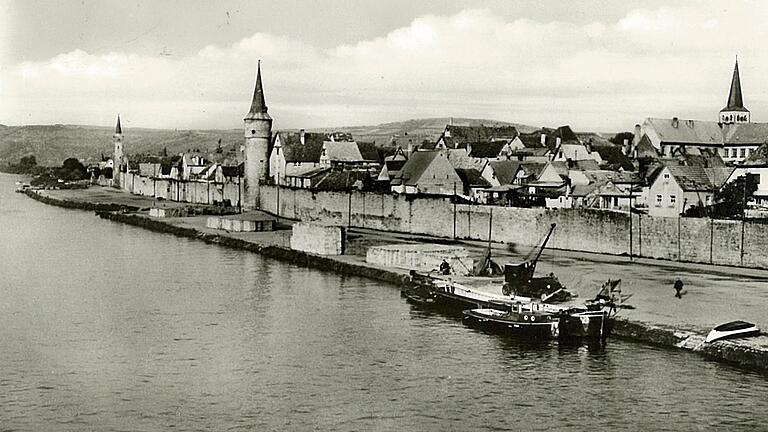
[(302, 137), (543, 139), (410, 148)]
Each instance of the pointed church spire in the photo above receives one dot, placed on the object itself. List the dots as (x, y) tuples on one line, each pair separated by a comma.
[(118, 129), (735, 101), (258, 105)]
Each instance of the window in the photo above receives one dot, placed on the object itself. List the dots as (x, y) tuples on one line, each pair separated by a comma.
[(742, 152), (733, 153), (672, 200), (666, 177), (658, 200), (708, 200)]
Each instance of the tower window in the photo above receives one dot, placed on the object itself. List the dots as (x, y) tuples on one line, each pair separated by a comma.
[(253, 131)]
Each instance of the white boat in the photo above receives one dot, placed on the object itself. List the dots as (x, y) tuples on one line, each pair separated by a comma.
[(732, 330)]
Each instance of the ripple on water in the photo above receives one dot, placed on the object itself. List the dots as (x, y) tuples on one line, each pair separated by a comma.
[(159, 332)]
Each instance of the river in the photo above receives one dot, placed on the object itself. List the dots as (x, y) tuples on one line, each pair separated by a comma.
[(112, 328)]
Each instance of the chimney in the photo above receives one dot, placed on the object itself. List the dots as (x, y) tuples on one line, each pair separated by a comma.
[(302, 137), (675, 122), (557, 141), (410, 148), (544, 139), (636, 137)]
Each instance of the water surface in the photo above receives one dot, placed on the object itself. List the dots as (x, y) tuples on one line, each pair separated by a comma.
[(109, 327)]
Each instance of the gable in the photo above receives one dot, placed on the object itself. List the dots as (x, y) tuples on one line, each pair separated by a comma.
[(438, 169), (549, 175)]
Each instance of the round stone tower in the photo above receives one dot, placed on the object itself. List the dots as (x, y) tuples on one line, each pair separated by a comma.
[(258, 133)]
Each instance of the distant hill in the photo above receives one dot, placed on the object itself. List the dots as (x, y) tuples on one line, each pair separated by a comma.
[(51, 144), (417, 130)]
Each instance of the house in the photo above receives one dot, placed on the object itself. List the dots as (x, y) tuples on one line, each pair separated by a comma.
[(605, 189), (502, 176), (192, 165), (568, 147), (549, 186), (295, 152), (756, 164), (306, 179), (676, 188), (348, 154), (474, 183), (502, 172), (229, 173), (427, 172), (390, 169)]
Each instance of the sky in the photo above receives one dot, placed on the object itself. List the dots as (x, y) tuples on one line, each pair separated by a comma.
[(596, 65)]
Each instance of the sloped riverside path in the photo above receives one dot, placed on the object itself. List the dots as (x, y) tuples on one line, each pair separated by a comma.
[(715, 294)]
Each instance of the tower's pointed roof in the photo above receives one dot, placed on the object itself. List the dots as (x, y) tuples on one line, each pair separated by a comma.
[(118, 128), (735, 101), (258, 105)]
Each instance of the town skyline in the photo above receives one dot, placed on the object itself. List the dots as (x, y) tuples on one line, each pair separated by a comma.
[(596, 67)]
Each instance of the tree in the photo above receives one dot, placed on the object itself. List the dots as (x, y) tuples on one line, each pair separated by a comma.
[(732, 197), (71, 170), (619, 138), (27, 163)]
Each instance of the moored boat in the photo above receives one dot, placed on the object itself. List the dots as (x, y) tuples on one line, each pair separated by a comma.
[(732, 330), (539, 321)]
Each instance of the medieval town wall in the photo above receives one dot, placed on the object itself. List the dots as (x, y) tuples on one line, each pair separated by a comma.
[(680, 239), (195, 192)]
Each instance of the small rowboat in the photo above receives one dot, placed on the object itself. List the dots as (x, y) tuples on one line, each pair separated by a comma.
[(732, 330)]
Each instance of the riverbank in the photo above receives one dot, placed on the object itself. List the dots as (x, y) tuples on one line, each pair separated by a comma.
[(751, 352)]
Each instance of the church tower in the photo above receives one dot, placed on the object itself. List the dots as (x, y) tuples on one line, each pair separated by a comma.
[(258, 133), (734, 111), (117, 157)]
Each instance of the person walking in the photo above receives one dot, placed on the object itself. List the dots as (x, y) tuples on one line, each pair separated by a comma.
[(679, 288)]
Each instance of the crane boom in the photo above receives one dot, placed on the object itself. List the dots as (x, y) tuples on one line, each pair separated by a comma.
[(541, 249)]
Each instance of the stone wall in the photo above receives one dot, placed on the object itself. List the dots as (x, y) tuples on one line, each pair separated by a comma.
[(196, 192), (317, 239), (684, 239), (421, 257)]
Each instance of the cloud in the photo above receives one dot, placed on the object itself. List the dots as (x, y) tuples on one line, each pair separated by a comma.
[(600, 75)]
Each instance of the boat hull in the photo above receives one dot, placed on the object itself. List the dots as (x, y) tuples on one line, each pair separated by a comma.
[(732, 330), (534, 330), (591, 326)]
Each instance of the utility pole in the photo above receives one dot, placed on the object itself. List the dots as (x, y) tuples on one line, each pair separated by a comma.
[(743, 219), (630, 221), (454, 210), (679, 223)]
